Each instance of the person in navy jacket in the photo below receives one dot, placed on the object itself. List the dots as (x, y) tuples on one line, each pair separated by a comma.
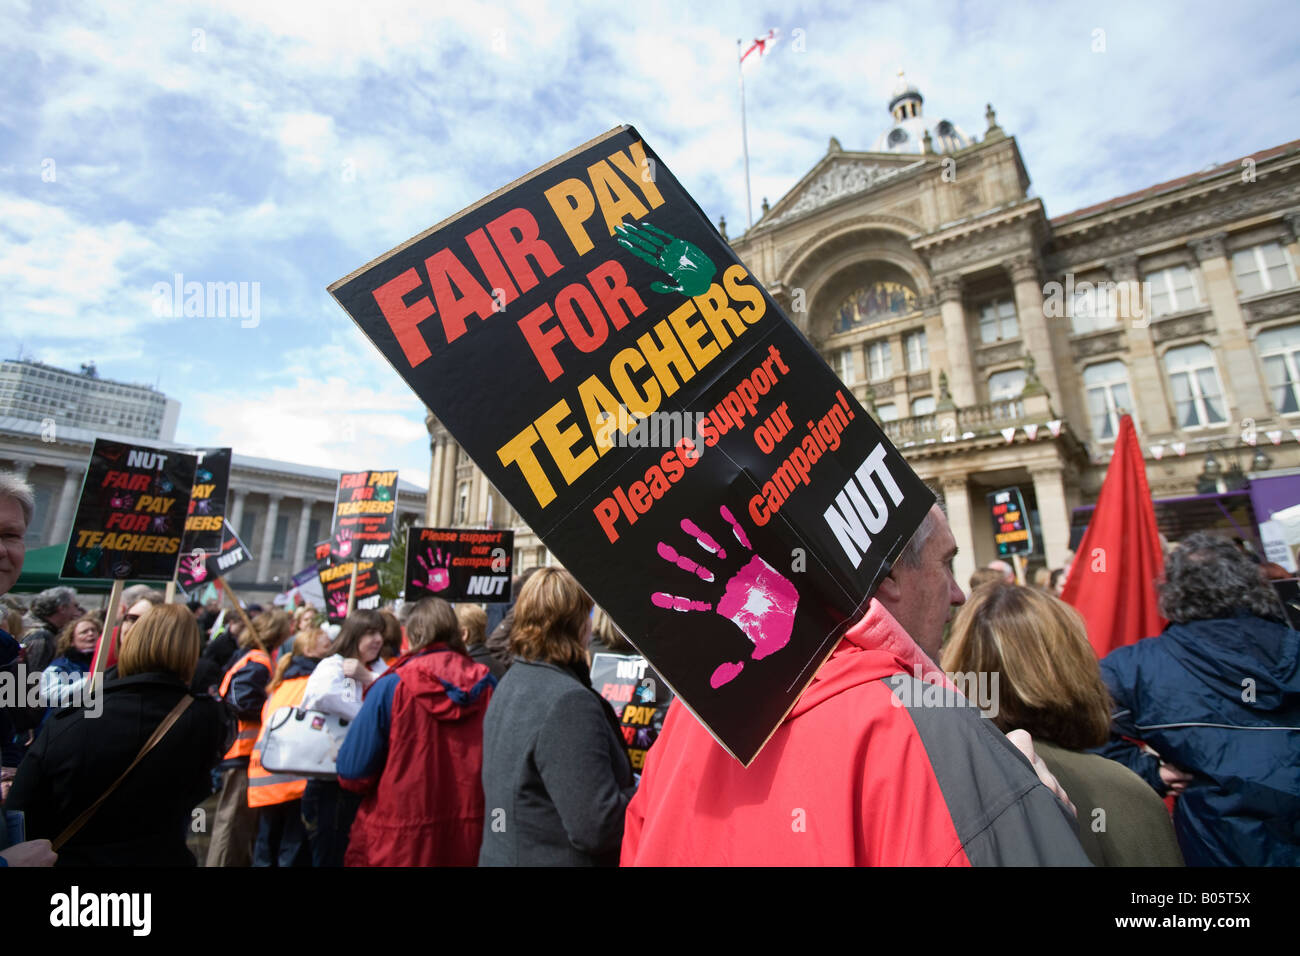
[(1217, 697)]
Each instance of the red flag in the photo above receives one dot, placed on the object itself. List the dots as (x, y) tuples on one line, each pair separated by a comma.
[(1113, 578), (762, 46)]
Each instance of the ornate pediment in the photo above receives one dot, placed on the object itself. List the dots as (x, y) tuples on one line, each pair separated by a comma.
[(839, 177)]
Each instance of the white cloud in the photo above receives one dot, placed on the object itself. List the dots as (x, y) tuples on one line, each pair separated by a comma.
[(290, 142), (330, 422)]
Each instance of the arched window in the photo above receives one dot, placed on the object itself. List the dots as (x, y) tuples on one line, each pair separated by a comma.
[(1279, 350), (918, 353), (880, 364), (1106, 386), (1198, 394)]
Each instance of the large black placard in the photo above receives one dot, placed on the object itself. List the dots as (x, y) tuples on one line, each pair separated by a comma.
[(207, 511), (131, 515), (736, 531)]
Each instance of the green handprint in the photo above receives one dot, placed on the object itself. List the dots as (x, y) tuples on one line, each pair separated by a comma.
[(684, 262)]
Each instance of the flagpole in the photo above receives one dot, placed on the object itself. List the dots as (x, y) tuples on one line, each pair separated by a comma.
[(744, 133)]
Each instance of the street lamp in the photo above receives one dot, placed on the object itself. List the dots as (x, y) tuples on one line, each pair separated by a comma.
[(1213, 478)]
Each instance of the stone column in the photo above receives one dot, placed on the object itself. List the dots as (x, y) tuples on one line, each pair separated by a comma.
[(960, 381), (435, 482), (1053, 514), (268, 536), (301, 544), (477, 498), (450, 452), (67, 503), (1237, 367), (1146, 375), (956, 497), (235, 509), (1028, 290)]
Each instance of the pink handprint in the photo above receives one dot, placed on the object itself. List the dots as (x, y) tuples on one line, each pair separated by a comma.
[(758, 599), (120, 500), (343, 542), (194, 566), (338, 602), (439, 578)]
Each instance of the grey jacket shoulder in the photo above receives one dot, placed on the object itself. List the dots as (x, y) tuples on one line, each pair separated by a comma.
[(553, 764), (1003, 814)]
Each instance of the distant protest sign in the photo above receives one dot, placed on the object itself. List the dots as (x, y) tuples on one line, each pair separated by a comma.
[(335, 581), (207, 511), (639, 697), (1011, 532), (198, 568), (131, 515), (306, 585), (459, 564), (365, 513), (653, 416)]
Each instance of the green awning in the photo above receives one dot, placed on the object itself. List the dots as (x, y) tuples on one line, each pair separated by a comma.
[(41, 570)]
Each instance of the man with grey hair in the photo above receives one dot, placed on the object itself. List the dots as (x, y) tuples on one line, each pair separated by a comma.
[(16, 506), (50, 611), (17, 503), (869, 767), (1216, 696)]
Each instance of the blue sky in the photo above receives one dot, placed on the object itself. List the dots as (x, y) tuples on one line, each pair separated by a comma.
[(285, 144)]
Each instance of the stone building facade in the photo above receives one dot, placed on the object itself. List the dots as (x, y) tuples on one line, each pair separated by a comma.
[(998, 347)]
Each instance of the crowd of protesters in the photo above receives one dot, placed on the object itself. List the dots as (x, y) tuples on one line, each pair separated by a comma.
[(473, 736)]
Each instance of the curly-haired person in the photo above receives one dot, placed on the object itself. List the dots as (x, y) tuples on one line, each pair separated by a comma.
[(1217, 697)]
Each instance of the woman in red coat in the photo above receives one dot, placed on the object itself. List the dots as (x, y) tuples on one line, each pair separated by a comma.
[(416, 751)]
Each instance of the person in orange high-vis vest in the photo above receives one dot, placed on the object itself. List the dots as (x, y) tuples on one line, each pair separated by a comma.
[(243, 688), (281, 836)]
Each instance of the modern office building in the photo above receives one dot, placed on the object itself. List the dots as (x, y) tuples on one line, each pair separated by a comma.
[(279, 509), (57, 398), (998, 347)]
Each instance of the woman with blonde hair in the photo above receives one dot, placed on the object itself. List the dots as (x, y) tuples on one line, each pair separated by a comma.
[(553, 755), (1049, 684), (81, 751), (281, 835), (244, 691), (74, 652)]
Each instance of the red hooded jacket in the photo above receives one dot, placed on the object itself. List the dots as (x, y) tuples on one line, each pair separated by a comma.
[(416, 751), (880, 762)]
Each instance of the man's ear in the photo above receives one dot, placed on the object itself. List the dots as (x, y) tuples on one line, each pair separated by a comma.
[(889, 592)]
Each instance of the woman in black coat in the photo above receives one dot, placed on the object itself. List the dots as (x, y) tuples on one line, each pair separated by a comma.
[(553, 756), (82, 750)]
